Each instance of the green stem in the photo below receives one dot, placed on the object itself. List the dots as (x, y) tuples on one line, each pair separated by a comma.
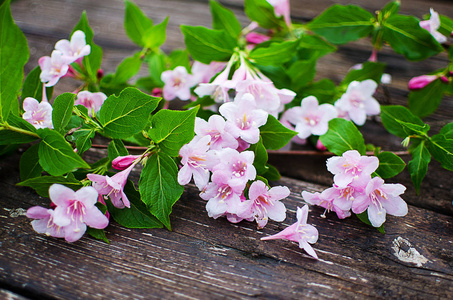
[(6, 126)]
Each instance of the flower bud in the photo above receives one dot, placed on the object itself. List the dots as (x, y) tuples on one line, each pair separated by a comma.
[(256, 38), (320, 146), (123, 162), (420, 82), (444, 79)]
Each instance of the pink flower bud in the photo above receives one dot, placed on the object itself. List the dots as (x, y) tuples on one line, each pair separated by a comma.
[(444, 79), (320, 146), (420, 82), (256, 38), (123, 162), (157, 92), (100, 74)]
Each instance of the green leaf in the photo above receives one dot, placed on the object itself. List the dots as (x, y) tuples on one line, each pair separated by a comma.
[(406, 37), (261, 157), (342, 24), (324, 90), (447, 131), (342, 136), (301, 73), (29, 163), (171, 129), (179, 57), (137, 216), (418, 166), (272, 173), (446, 25), (364, 218), (126, 69), (369, 70), (389, 10), (156, 65), (441, 148), (390, 164), (98, 234), (277, 74), (91, 62), (127, 114), (8, 137), (274, 134), (224, 19), (263, 13), (33, 86), (276, 54), (206, 45), (62, 111), (83, 138), (425, 101), (159, 187), (56, 156), (313, 47), (396, 120), (116, 148), (42, 184), (136, 23), (155, 36), (13, 56)]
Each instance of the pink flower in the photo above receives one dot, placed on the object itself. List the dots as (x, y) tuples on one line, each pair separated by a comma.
[(203, 73), (311, 118), (239, 166), (244, 118), (53, 67), (351, 166), (177, 83), (43, 222), (124, 162), (300, 232), (265, 203), (74, 49), (432, 25), (265, 94), (113, 187), (92, 101), (216, 129), (420, 82), (37, 114), (218, 88), (282, 8), (75, 210), (381, 199), (224, 196), (195, 162), (358, 101)]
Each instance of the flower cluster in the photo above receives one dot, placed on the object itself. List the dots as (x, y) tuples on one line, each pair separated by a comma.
[(221, 167), (246, 79), (73, 212), (39, 114), (66, 52), (355, 104), (354, 189)]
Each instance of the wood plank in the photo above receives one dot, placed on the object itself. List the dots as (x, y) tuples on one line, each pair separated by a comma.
[(204, 257)]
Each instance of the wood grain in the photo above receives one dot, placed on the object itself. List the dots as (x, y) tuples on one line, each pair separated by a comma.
[(203, 258)]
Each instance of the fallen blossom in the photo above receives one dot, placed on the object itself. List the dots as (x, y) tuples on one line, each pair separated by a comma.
[(300, 232), (75, 210)]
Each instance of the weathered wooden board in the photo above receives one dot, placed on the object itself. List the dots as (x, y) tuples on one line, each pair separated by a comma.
[(203, 257), (207, 258)]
